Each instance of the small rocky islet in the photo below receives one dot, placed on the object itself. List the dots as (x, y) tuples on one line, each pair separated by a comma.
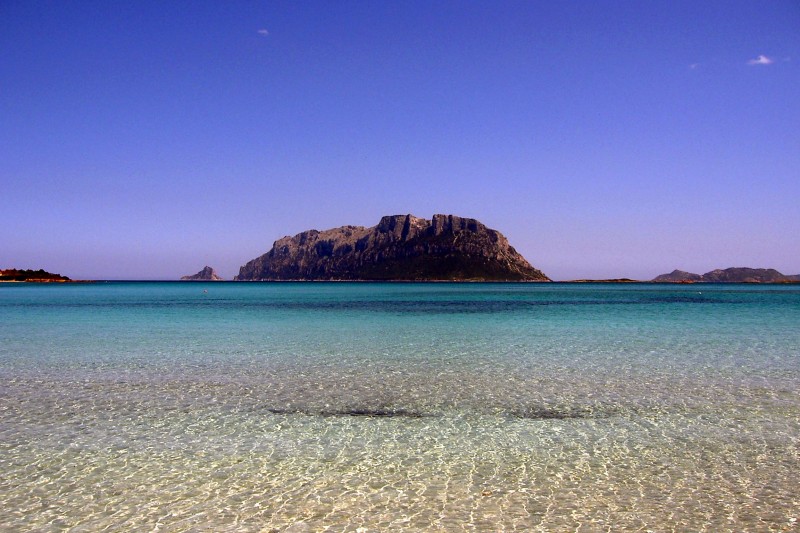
[(206, 274)]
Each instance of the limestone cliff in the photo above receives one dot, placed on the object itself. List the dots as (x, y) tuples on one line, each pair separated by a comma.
[(400, 247), (207, 274)]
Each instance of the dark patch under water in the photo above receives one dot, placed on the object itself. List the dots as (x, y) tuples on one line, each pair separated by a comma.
[(393, 306), (534, 413), (360, 412), (548, 413)]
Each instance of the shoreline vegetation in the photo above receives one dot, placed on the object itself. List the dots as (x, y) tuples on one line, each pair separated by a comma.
[(36, 276)]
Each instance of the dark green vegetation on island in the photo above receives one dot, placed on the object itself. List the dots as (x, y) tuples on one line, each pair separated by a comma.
[(728, 275), (40, 275), (399, 248)]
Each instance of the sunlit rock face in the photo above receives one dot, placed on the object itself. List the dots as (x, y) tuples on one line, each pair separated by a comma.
[(207, 274), (399, 247)]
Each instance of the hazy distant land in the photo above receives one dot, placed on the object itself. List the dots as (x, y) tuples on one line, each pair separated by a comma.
[(409, 248), (729, 275)]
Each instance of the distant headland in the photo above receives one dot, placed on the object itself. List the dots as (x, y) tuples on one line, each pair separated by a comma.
[(398, 248), (728, 275), (39, 276)]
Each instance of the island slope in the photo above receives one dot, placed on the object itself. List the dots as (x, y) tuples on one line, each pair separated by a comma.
[(399, 248)]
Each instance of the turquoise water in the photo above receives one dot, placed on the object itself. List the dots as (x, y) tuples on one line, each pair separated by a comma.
[(374, 407)]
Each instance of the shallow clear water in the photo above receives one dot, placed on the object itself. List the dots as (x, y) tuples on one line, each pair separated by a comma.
[(339, 407)]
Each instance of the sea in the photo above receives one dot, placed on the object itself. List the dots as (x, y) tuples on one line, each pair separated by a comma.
[(249, 406)]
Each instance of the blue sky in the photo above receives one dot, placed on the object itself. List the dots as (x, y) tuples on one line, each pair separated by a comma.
[(144, 140)]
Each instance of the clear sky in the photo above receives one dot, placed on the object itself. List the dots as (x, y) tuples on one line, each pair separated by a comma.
[(144, 140)]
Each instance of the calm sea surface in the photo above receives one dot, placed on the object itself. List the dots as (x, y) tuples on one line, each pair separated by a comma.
[(391, 407)]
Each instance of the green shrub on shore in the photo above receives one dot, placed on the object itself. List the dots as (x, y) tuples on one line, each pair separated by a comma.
[(14, 274)]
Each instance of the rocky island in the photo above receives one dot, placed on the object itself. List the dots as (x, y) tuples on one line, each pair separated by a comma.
[(728, 275), (399, 248), (207, 274)]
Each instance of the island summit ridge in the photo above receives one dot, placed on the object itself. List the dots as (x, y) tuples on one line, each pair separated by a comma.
[(398, 248)]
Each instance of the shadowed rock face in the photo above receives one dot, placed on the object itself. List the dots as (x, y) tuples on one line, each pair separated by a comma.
[(400, 247), (731, 275), (207, 274)]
